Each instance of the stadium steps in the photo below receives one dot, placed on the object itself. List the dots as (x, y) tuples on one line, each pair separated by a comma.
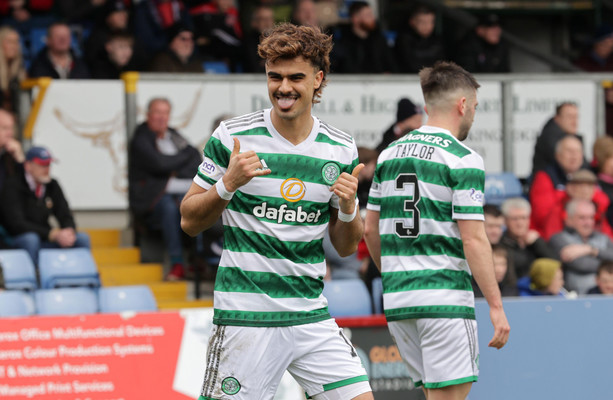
[(121, 266)]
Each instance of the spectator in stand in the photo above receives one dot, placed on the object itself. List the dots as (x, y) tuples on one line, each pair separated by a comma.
[(546, 279), (484, 49), (603, 163), (118, 58), (153, 18), (338, 267), (27, 202), (417, 45), (305, 13), (581, 184), (549, 185), (24, 15), (12, 70), (81, 11), (408, 117), (604, 279), (218, 31), (114, 20), (599, 58), (580, 247), (503, 271), (524, 244), (262, 20), (161, 164), (11, 152), (565, 122), (494, 223), (57, 60), (361, 47), (180, 55)]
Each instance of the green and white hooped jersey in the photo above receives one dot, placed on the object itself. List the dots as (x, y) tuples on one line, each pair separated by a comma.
[(425, 182), (272, 266)]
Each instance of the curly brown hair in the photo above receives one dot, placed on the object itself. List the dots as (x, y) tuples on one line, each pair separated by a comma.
[(287, 41)]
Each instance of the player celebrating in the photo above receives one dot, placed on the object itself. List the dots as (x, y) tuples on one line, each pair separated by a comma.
[(425, 231), (279, 177)]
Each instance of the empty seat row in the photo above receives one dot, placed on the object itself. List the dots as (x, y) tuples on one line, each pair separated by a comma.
[(57, 268), (76, 301)]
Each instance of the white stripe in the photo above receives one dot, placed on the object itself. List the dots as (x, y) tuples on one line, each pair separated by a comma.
[(430, 297), (294, 233), (202, 183), (261, 302), (373, 207), (429, 226), (468, 198), (420, 263), (254, 262), (262, 187)]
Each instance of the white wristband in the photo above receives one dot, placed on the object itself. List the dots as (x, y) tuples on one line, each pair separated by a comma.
[(348, 217), (222, 191)]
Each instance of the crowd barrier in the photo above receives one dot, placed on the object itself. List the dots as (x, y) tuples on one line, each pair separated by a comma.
[(84, 122), (558, 349)]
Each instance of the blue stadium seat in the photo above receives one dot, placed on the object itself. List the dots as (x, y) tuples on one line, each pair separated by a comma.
[(347, 298), (15, 303), (66, 301), (501, 186), (18, 269), (216, 67), (377, 295), (126, 298), (67, 267)]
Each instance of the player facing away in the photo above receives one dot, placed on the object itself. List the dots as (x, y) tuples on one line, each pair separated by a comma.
[(279, 178), (425, 231)]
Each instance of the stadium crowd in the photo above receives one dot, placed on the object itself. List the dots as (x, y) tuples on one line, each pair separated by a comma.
[(555, 239)]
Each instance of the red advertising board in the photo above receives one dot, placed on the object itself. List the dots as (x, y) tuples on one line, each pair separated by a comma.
[(94, 357)]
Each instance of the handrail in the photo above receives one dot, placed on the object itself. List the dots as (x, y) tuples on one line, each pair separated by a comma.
[(42, 83)]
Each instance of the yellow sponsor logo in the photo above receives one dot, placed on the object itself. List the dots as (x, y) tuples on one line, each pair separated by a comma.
[(293, 189)]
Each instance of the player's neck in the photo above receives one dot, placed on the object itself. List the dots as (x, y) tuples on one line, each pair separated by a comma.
[(444, 122), (295, 130)]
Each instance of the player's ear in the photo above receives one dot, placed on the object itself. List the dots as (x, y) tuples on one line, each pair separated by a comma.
[(462, 104), (319, 77)]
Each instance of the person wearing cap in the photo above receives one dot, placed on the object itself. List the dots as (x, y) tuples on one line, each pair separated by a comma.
[(580, 247), (408, 117), (581, 184), (545, 279), (483, 50), (27, 202), (179, 56)]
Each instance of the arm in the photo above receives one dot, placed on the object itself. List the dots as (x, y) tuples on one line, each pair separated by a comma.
[(479, 257), (346, 235), (200, 208), (372, 236)]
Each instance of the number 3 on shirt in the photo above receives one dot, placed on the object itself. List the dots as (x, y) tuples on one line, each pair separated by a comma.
[(408, 227)]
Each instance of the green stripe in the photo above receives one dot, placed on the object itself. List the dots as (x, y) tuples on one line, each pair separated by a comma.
[(401, 281), (424, 245), (345, 382), (239, 240), (437, 385), (262, 318), (307, 169), (393, 207), (468, 178), (449, 143), (206, 178), (397, 314), (246, 203), (468, 209), (323, 138), (234, 279), (216, 151), (427, 171), (374, 200), (418, 384), (207, 398), (259, 131)]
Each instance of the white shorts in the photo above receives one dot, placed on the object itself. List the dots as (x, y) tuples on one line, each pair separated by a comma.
[(247, 363), (439, 352)]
